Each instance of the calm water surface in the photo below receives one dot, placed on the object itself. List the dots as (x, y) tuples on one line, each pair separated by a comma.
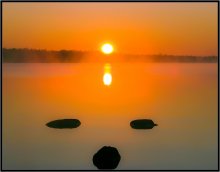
[(180, 98)]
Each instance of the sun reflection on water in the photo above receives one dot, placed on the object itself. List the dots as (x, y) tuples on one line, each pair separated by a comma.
[(107, 77)]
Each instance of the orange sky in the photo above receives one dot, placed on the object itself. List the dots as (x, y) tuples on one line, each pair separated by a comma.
[(137, 28)]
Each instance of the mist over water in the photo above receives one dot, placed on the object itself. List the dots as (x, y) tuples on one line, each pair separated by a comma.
[(125, 86), (180, 98), (70, 56)]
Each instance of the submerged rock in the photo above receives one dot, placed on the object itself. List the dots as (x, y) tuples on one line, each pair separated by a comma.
[(107, 158), (142, 124), (64, 123)]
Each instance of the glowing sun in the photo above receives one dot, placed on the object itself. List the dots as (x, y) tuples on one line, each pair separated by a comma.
[(107, 48)]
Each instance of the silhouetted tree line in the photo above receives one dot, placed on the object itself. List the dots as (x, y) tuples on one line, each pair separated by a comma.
[(40, 56), (68, 56)]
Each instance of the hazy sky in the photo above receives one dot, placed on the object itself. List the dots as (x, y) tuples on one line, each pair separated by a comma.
[(137, 28)]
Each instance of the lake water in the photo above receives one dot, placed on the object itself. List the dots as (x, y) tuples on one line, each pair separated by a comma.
[(180, 98)]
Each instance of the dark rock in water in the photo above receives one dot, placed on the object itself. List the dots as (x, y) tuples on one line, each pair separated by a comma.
[(106, 158), (64, 123), (142, 124)]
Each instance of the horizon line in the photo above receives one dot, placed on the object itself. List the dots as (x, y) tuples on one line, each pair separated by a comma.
[(97, 51)]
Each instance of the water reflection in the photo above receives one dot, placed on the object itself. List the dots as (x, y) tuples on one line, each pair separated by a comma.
[(107, 77), (139, 91)]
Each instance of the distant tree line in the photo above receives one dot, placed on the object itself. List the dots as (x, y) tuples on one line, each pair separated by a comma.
[(68, 56), (40, 56)]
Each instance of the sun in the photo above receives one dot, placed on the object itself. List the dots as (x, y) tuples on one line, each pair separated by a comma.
[(107, 48)]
